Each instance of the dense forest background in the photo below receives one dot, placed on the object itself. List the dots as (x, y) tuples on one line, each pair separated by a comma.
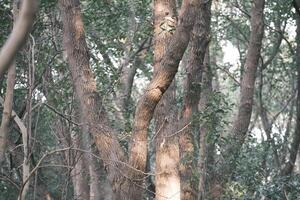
[(149, 99)]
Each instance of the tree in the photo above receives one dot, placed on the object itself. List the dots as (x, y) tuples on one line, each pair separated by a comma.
[(224, 108), (90, 103)]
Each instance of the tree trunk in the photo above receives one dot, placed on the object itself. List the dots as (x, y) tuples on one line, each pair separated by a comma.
[(8, 102), (198, 47), (248, 80), (206, 150), (85, 88), (242, 121), (19, 34), (126, 179), (167, 178), (7, 109), (289, 166), (127, 71)]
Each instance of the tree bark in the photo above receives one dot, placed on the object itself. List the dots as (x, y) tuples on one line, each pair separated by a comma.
[(19, 34), (242, 121), (127, 71), (167, 70), (8, 102), (7, 109), (167, 177), (248, 80), (198, 47), (206, 150), (84, 84), (289, 166), (126, 179)]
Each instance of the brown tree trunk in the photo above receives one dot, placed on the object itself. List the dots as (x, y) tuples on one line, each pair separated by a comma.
[(248, 80), (127, 71), (19, 34), (167, 69), (167, 178), (289, 166), (206, 150), (85, 88), (8, 102), (7, 109), (198, 47), (126, 179), (242, 121)]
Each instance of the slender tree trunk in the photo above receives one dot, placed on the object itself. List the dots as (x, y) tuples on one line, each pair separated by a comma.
[(267, 125), (289, 166), (19, 34), (8, 102), (26, 138), (7, 109), (247, 85), (95, 180), (242, 121), (198, 47), (206, 150), (127, 71)]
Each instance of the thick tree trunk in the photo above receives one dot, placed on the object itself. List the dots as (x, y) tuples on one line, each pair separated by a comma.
[(198, 47), (289, 166), (162, 79), (80, 171), (86, 93), (167, 178), (126, 179)]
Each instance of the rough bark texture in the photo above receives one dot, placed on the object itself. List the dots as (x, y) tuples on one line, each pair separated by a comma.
[(85, 88), (167, 69), (167, 177), (198, 46), (289, 166), (18, 35), (80, 172), (127, 182), (7, 109)]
